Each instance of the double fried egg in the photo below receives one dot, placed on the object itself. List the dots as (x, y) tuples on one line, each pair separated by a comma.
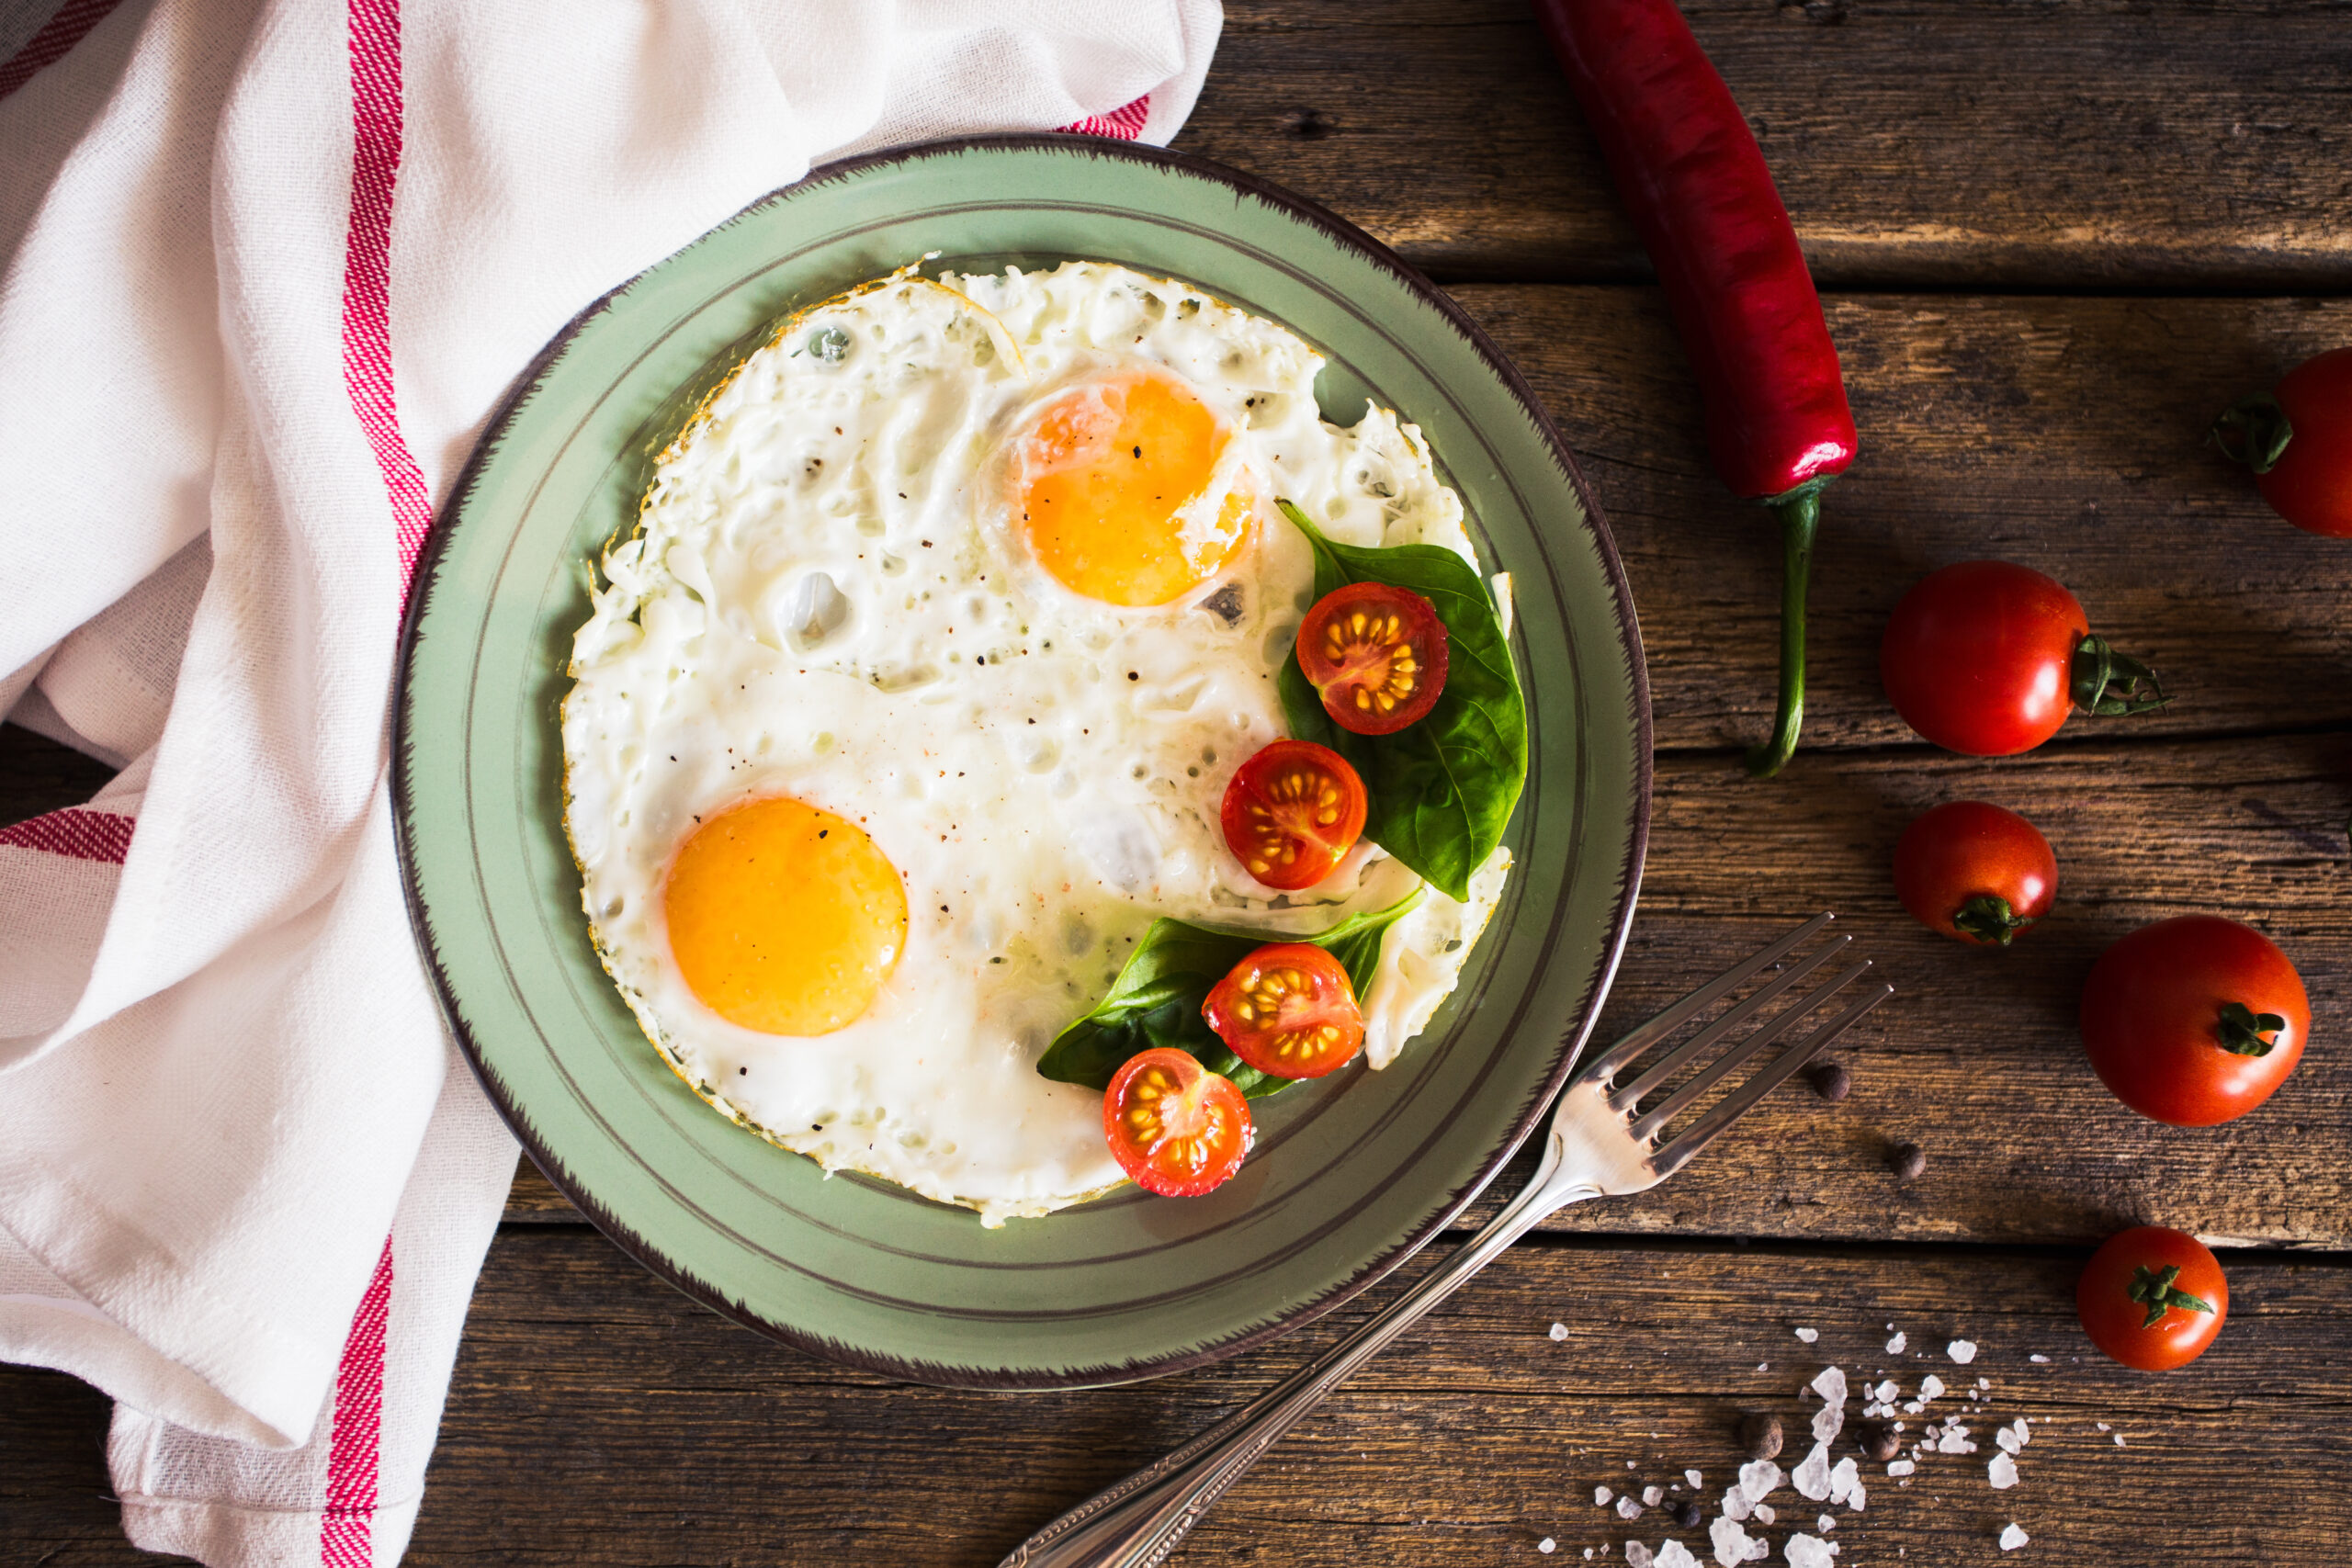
[(910, 703)]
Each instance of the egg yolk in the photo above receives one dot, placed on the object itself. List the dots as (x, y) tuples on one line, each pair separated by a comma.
[(1107, 486), (785, 917)]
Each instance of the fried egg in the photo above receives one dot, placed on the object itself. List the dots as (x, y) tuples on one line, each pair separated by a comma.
[(911, 701)]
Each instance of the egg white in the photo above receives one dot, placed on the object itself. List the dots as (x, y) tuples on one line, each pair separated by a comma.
[(826, 599)]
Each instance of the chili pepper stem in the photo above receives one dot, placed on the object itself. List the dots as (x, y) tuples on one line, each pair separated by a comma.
[(1800, 513)]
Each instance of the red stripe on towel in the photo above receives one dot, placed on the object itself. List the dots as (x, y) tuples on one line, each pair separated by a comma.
[(1122, 124), (75, 833), (347, 1534), (65, 28), (367, 266)]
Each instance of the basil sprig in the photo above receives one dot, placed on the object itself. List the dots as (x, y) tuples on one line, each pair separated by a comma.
[(1443, 788), (1156, 998)]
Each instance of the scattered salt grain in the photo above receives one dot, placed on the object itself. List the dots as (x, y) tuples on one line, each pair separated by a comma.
[(1808, 1335), (1846, 1483), (1629, 1463), (2119, 1439), (1983, 1382), (1559, 1332), (1628, 1509), (1894, 1346), (1587, 1554), (1757, 1479), (1653, 1495), (1931, 1387), (1674, 1554), (2012, 1538), (1886, 1392), (1763, 1366), (1913, 1406), (1824, 1523), (1810, 1552), (1764, 1515), (2024, 1432), (2007, 1439), (1694, 1478), (1636, 1555), (1811, 1477), (1737, 1506), (1901, 1467), (2101, 1426), (2001, 1471), (1547, 1546), (1954, 1440), (1600, 1496), (2039, 1361), (1962, 1350), (1734, 1545)]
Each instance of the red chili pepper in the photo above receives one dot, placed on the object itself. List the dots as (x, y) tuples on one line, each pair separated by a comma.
[(1695, 185)]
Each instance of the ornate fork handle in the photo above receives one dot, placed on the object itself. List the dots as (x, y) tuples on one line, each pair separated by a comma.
[(1138, 1522)]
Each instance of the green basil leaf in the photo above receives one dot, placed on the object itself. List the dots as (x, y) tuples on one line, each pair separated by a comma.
[(1443, 787), (1156, 998)]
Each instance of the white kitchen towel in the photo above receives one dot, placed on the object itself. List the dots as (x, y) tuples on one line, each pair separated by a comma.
[(268, 266)]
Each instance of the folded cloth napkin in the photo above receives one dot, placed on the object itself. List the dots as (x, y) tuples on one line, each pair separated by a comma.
[(269, 265)]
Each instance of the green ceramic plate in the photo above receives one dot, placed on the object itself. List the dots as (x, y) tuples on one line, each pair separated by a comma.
[(1351, 1174)]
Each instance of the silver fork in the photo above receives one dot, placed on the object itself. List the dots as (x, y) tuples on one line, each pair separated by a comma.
[(1597, 1147)]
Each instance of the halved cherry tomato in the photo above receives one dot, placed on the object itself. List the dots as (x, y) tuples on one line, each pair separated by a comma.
[(1974, 872), (1376, 655), (1289, 1009), (2298, 441), (2195, 1020), (1988, 659), (1292, 812), (2153, 1298), (1176, 1128)]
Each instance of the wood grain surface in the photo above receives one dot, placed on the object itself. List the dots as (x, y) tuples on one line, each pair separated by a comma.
[(598, 1417), (2054, 239)]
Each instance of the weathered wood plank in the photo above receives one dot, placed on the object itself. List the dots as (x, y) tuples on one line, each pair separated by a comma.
[(2066, 434), (1914, 141), (598, 1417)]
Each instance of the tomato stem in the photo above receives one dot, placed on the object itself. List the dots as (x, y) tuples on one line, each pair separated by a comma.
[(2241, 1030), (2110, 684), (1988, 918), (1800, 513), (2254, 431), (2155, 1289)]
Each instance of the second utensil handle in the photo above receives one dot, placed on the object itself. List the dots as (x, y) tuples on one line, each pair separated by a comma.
[(1138, 1522)]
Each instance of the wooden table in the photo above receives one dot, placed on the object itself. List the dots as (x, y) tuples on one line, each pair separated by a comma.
[(2054, 240)]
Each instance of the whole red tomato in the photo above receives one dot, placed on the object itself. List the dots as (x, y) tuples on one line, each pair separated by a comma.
[(2195, 1020), (1974, 872), (1988, 659), (2153, 1298), (2298, 441)]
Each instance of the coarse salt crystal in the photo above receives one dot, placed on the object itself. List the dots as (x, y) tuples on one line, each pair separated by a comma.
[(1730, 1541), (1764, 1514), (2024, 1432), (1900, 1467), (1931, 1387), (1758, 1478), (1628, 1509), (1962, 1350), (1653, 1495), (1808, 1335), (1737, 1506), (2100, 1424), (1954, 1440), (1811, 1477), (1983, 1382), (1894, 1346), (2119, 1439), (1824, 1523), (1636, 1555), (2039, 1361), (1674, 1554), (1886, 1392), (1912, 1406), (2002, 1473), (1763, 1366), (1846, 1483), (1600, 1496), (2012, 1538), (1559, 1332), (1809, 1551), (1694, 1478), (2007, 1440), (1547, 1545)]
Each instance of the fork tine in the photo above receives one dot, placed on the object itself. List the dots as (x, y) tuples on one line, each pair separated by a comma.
[(1626, 1097), (1645, 1035), (1680, 1152), (1674, 1104)]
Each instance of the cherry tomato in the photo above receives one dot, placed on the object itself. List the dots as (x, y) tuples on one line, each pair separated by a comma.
[(1176, 1128), (1974, 872), (2153, 1298), (1988, 659), (1292, 812), (1376, 656), (2195, 1020), (1289, 1009), (2298, 440)]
